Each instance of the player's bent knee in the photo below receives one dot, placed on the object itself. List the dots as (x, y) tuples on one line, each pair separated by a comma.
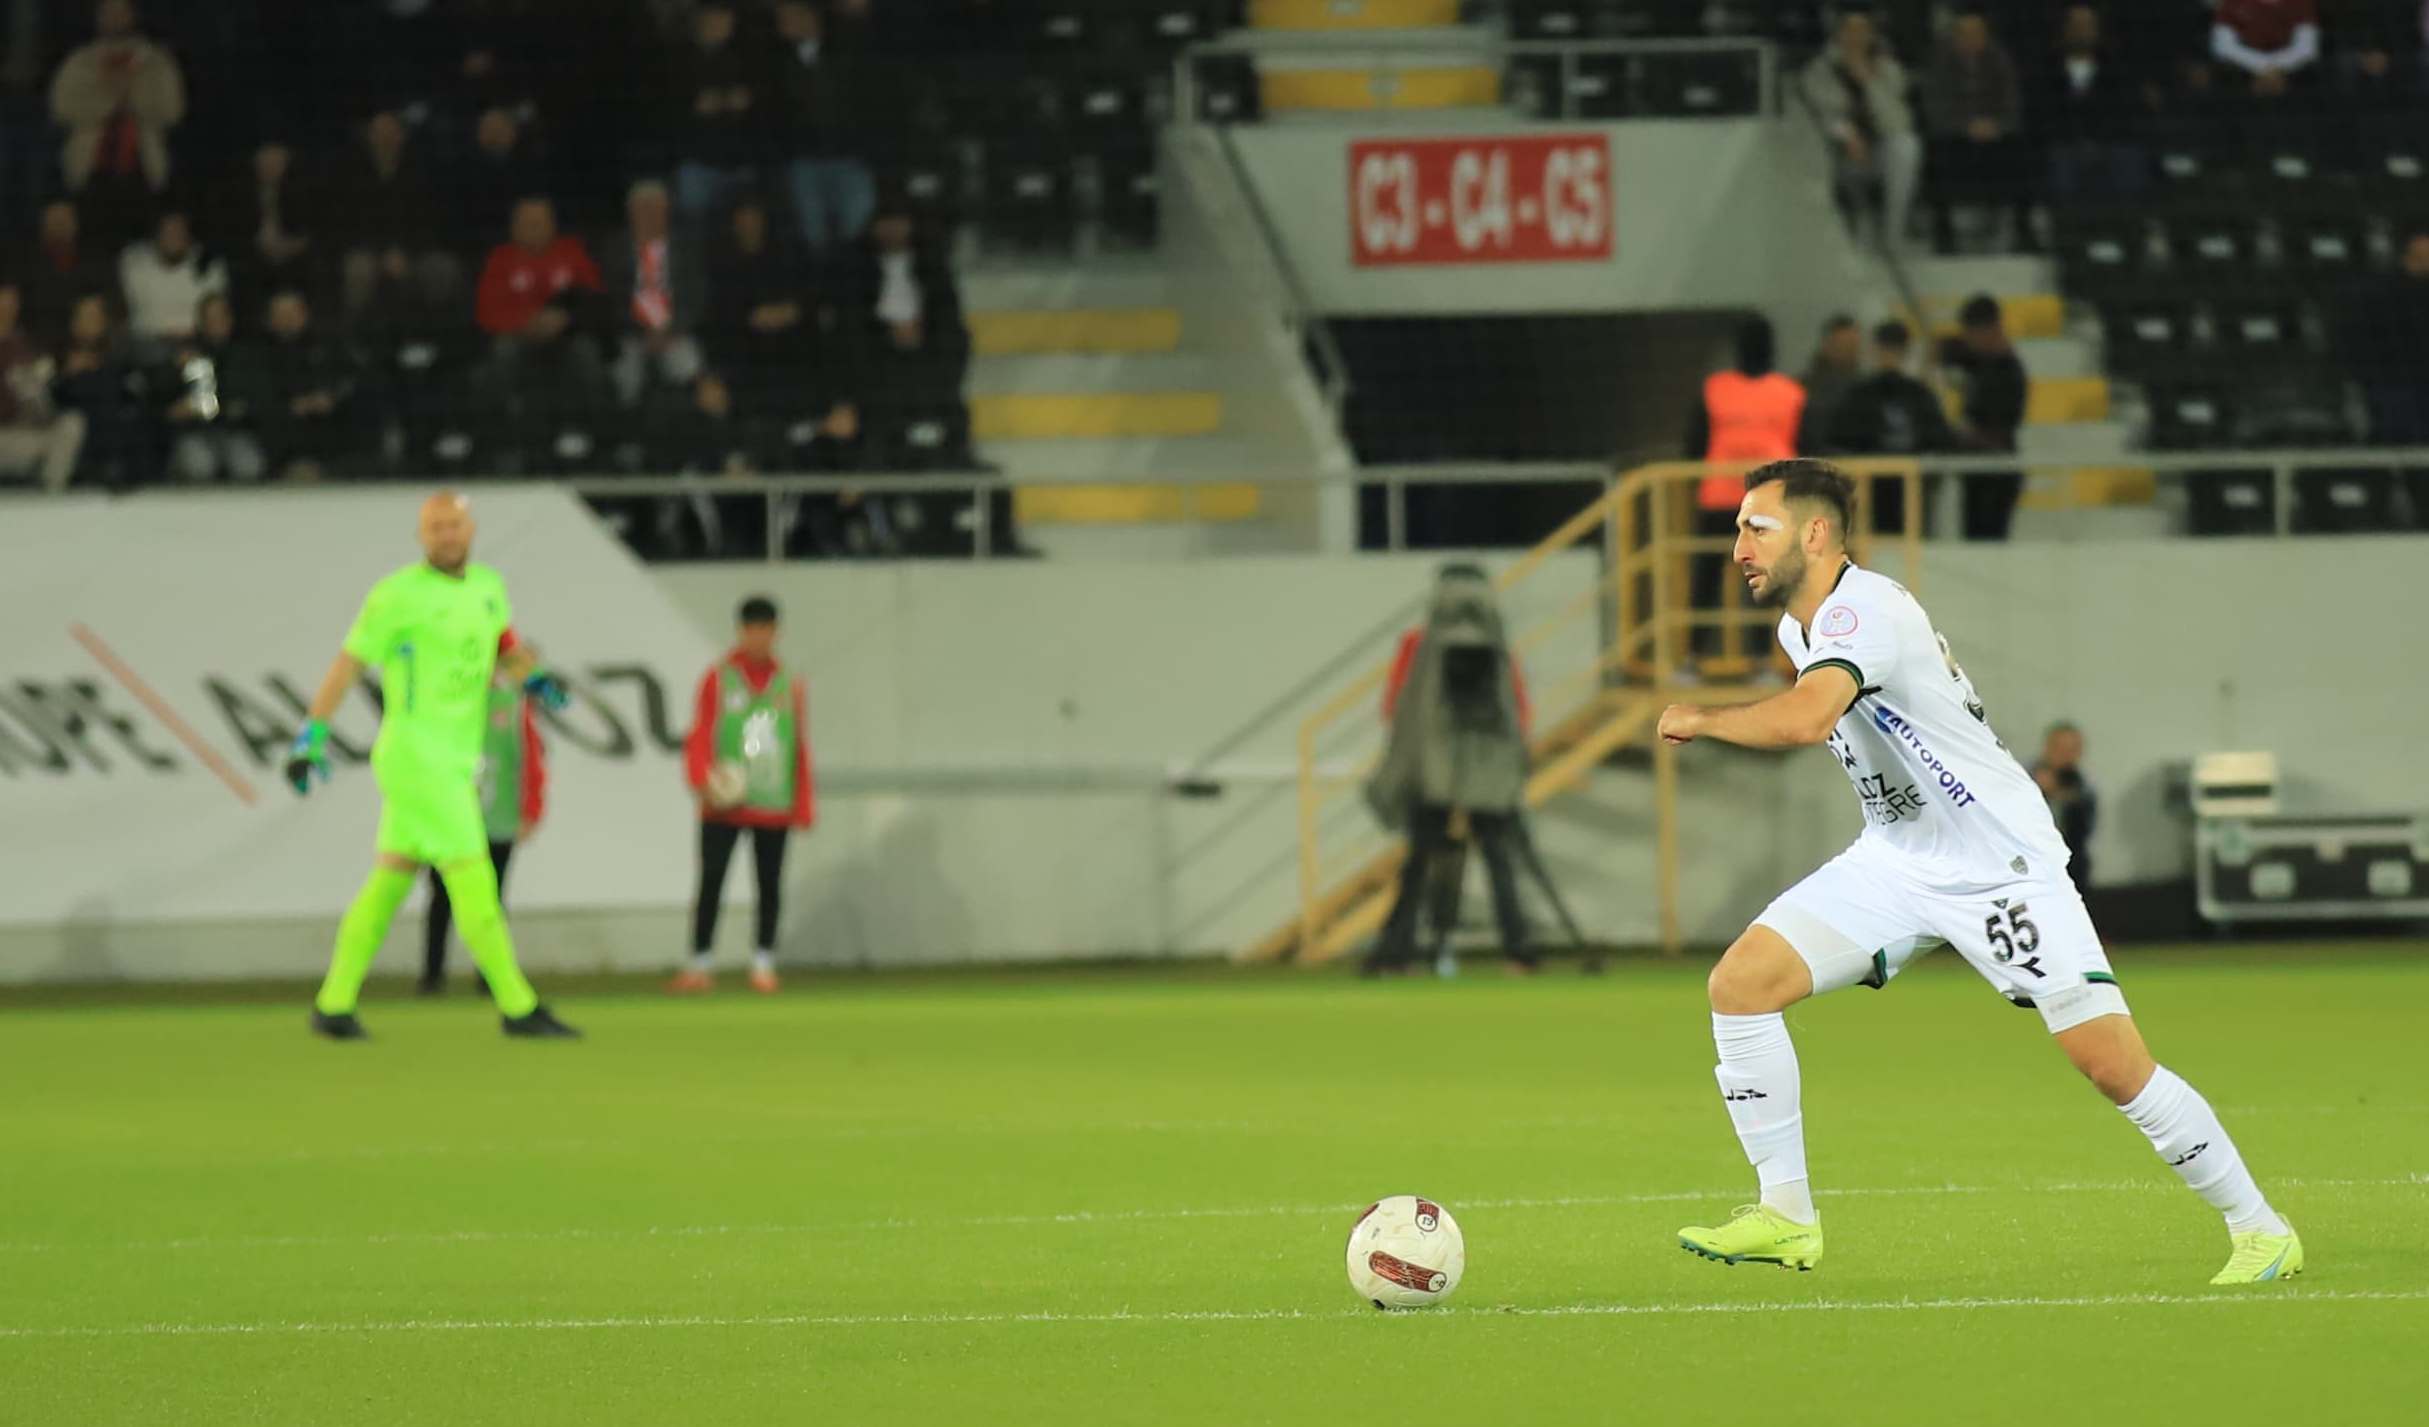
[(1760, 973), (2110, 1054)]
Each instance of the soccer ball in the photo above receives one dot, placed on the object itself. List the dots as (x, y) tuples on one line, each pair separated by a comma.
[(726, 785), (1406, 1252)]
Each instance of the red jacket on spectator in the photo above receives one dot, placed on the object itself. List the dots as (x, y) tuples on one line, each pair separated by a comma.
[(700, 746), (1406, 660), (517, 282)]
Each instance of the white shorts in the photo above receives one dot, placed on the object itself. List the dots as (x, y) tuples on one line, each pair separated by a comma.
[(1861, 918)]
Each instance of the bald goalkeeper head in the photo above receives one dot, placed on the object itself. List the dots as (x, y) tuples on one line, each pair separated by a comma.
[(446, 531)]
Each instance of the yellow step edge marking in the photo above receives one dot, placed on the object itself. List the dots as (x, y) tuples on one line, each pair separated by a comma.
[(2034, 314), (1133, 504), (1351, 14), (2090, 486), (1022, 331), (2055, 400), (1048, 416), (1355, 89)]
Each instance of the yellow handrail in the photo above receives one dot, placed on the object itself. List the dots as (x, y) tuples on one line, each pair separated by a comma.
[(1652, 546)]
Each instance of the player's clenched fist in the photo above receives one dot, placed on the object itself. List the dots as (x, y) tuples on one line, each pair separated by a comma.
[(1681, 722)]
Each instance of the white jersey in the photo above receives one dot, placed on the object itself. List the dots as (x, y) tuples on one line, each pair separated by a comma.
[(1939, 789)]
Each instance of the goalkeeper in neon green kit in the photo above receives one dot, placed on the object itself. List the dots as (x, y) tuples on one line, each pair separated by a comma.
[(436, 630)]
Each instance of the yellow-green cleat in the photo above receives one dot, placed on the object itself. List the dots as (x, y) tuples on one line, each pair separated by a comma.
[(2263, 1258), (1757, 1235)]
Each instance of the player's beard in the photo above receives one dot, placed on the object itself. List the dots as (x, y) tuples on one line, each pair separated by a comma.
[(1779, 581)]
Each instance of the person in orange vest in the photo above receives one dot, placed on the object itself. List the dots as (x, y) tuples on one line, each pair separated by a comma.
[(748, 762), (1749, 413), (514, 789)]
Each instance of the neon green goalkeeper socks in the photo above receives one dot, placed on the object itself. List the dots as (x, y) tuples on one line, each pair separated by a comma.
[(472, 888), (359, 936)]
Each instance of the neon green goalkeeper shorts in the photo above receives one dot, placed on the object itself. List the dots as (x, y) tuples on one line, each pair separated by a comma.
[(428, 816)]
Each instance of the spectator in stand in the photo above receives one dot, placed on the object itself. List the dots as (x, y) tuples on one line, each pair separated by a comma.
[(35, 440), (1749, 414), (2072, 802), (530, 303), (164, 280), (2380, 338), (300, 391), (770, 337), (833, 191), (1985, 366), (2381, 43), (1859, 90), (654, 284), (2275, 43), (396, 272), (118, 97), (1837, 365), (60, 266), (210, 428), (1890, 413), (721, 114), (2089, 109), (97, 380), (264, 220), (26, 154), (1974, 106), (903, 312), (504, 167)]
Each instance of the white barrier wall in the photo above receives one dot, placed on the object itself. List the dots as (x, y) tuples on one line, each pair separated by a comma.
[(987, 736)]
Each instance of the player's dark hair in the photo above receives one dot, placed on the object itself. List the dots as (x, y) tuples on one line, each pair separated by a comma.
[(1980, 310), (758, 609), (1894, 335), (1806, 479)]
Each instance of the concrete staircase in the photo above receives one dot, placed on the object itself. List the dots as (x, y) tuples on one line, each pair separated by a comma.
[(2079, 428)]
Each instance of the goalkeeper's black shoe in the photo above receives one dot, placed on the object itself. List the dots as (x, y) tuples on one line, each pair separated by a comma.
[(339, 1028), (539, 1025)]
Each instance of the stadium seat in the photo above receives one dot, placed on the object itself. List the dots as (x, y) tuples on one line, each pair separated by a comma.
[(2289, 405), (2104, 259), (2191, 160), (2230, 502), (2296, 162), (2190, 416), (1106, 108), (2147, 338), (1700, 85), (2209, 247), (1063, 26), (2344, 501), (2392, 160), (2259, 335), (2331, 247), (1028, 192), (1128, 201), (1227, 89)]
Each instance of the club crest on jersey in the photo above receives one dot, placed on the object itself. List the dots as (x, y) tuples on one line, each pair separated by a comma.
[(1837, 622)]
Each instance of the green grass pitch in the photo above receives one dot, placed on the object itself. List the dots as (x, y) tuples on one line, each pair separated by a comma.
[(1121, 1198)]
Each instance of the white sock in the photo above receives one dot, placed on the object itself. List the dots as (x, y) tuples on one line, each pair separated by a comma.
[(703, 961), (2185, 1130), (1759, 1083), (763, 960)]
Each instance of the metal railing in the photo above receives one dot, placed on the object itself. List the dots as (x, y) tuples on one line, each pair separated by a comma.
[(1390, 56)]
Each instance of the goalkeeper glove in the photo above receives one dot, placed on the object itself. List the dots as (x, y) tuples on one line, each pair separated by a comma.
[(548, 689), (308, 754)]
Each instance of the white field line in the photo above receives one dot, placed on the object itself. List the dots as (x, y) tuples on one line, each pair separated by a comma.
[(2248, 1298), (939, 1223)]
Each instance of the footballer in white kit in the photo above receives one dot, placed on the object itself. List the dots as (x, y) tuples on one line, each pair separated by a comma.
[(1958, 849)]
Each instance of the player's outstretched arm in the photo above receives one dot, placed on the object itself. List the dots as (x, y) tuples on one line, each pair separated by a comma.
[(309, 753), (1804, 714)]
